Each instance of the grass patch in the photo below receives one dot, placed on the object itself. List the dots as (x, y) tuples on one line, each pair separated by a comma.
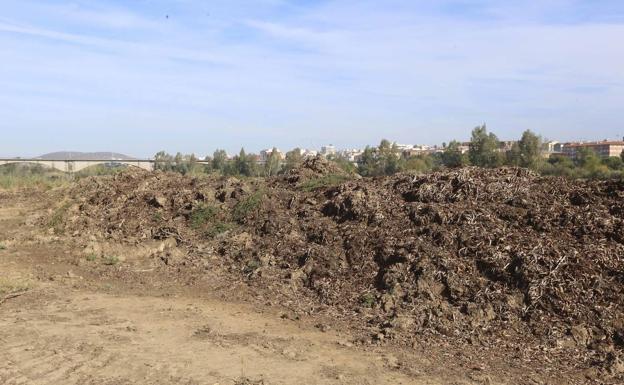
[(202, 215), (325, 181), (91, 257), (57, 220), (219, 228), (157, 216), (13, 285), (2, 247), (246, 206), (367, 300), (251, 266), (110, 260), (18, 181)]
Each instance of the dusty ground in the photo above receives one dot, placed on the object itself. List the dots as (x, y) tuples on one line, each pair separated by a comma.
[(72, 327)]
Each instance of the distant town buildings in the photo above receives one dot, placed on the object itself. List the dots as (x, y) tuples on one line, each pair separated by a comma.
[(604, 149), (264, 154), (352, 155), (464, 147), (309, 153), (506, 145), (420, 149), (552, 147), (328, 150)]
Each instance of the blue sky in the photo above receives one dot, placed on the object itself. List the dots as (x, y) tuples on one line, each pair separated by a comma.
[(122, 76)]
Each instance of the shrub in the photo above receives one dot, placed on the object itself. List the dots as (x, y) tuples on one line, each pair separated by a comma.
[(110, 260), (325, 181), (242, 209), (219, 228), (57, 220), (367, 300), (202, 215), (251, 266)]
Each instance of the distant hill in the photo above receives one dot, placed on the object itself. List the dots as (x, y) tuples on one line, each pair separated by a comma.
[(84, 156)]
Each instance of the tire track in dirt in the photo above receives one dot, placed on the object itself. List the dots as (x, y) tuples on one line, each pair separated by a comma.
[(93, 338)]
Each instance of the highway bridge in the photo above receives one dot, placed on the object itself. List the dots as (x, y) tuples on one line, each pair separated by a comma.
[(75, 165)]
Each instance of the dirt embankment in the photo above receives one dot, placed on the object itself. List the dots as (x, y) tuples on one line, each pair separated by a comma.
[(499, 259)]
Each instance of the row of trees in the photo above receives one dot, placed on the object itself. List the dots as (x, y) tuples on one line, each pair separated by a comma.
[(243, 164), (484, 150)]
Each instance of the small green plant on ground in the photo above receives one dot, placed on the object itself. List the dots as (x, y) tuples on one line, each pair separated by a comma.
[(202, 215), (323, 182), (242, 209), (251, 266), (2, 246), (367, 300), (91, 257), (157, 216), (219, 228), (110, 260), (57, 220)]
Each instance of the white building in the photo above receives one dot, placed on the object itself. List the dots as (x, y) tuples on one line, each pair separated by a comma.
[(404, 147), (552, 147), (264, 154), (352, 155), (328, 150), (309, 153)]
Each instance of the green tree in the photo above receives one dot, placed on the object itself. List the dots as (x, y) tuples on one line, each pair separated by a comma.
[(382, 160), (390, 158), (614, 163), (273, 163), (193, 167), (243, 164), (293, 159), (622, 155), (343, 163), (421, 163), (483, 150), (514, 156), (207, 166), (587, 158), (592, 167), (529, 149), (219, 160), (369, 163), (180, 164), (163, 161), (452, 156)]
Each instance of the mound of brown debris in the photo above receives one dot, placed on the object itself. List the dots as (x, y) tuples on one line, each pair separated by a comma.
[(473, 255), (313, 168)]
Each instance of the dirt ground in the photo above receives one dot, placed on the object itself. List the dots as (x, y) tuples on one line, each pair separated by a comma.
[(69, 327)]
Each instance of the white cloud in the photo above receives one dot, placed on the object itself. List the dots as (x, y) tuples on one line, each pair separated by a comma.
[(346, 70)]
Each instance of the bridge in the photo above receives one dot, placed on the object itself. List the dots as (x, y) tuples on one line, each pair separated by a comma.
[(75, 165)]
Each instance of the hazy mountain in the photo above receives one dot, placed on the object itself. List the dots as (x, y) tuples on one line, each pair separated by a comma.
[(84, 156)]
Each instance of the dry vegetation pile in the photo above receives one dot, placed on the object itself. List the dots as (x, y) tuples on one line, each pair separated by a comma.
[(488, 257)]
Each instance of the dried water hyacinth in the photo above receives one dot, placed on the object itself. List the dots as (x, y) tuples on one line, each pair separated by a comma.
[(472, 254)]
